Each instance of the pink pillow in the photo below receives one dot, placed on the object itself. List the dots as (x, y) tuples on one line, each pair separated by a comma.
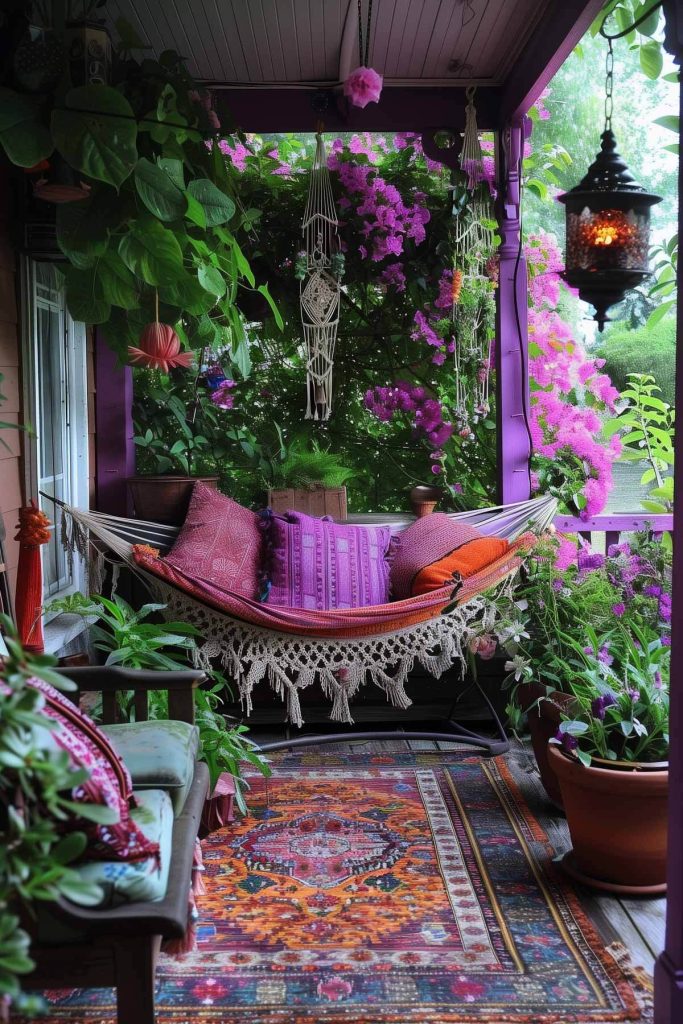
[(219, 542), (319, 564), (109, 784)]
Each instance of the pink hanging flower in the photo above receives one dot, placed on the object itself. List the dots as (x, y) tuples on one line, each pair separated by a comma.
[(159, 349), (363, 86)]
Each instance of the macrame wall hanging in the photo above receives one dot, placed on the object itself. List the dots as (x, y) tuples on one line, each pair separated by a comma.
[(473, 271), (320, 287)]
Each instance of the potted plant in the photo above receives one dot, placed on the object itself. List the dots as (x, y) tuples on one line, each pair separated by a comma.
[(568, 597), (175, 428), (310, 480), (131, 640), (610, 757)]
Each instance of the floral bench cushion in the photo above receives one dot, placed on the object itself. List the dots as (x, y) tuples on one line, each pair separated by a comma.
[(158, 755), (140, 880)]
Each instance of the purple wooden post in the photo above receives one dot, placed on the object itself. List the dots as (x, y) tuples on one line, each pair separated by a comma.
[(512, 383), (114, 441), (669, 966)]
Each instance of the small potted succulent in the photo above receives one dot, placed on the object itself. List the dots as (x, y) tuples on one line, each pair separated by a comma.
[(610, 757)]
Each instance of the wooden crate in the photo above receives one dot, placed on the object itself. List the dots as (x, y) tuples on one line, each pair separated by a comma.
[(317, 501)]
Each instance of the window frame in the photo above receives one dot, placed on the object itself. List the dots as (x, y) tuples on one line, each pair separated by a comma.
[(75, 368)]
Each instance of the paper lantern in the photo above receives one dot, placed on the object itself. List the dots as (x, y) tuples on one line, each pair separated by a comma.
[(159, 349)]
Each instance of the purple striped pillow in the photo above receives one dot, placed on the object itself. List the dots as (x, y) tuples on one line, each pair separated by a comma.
[(318, 564)]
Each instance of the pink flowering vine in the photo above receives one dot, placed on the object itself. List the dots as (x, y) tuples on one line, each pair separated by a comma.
[(566, 426)]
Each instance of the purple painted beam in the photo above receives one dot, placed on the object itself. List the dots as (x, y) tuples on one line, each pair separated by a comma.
[(560, 28), (512, 383), (669, 966), (114, 438), (621, 523), (401, 109)]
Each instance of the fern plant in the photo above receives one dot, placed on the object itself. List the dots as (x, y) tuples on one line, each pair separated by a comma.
[(307, 468)]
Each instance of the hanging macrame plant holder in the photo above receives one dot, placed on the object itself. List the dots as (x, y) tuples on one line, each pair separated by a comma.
[(320, 287), (473, 244)]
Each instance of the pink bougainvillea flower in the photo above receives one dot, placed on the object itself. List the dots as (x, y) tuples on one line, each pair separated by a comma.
[(222, 396), (159, 349), (363, 86)]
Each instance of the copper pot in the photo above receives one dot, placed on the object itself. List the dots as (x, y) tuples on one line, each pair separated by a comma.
[(164, 499)]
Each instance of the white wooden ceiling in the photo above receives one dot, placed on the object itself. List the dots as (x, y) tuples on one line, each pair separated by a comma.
[(425, 42)]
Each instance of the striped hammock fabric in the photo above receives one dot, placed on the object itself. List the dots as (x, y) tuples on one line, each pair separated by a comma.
[(294, 647)]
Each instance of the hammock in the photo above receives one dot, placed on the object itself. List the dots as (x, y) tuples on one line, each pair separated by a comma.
[(293, 648)]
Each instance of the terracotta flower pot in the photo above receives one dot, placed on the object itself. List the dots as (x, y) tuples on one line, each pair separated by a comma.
[(544, 721), (618, 824), (424, 499), (164, 499)]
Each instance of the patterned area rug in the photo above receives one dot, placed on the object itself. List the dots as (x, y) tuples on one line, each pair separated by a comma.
[(387, 889)]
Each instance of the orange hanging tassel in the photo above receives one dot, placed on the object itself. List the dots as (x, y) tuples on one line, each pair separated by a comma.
[(33, 530), (456, 286)]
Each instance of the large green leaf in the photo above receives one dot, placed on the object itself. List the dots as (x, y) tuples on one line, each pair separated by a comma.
[(651, 59), (85, 296), (187, 293), (81, 235), (25, 139), (152, 252), (118, 284), (96, 133), (218, 207), (159, 191), (211, 279)]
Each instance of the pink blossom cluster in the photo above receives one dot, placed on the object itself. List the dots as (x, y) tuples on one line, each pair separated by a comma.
[(236, 153), (562, 375), (544, 264), (387, 220), (424, 331), (393, 277), (427, 415)]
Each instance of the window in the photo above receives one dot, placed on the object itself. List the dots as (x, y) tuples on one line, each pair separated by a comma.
[(55, 394)]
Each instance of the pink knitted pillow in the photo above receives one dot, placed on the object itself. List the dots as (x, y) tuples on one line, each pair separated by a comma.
[(109, 783), (220, 541)]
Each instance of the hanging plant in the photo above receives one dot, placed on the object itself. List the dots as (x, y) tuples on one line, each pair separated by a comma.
[(159, 212)]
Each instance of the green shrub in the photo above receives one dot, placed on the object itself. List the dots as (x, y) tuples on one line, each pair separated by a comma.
[(644, 350)]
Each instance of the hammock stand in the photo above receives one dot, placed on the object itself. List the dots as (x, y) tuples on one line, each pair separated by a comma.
[(291, 660)]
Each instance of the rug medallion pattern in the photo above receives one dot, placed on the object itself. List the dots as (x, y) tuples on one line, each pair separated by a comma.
[(397, 889)]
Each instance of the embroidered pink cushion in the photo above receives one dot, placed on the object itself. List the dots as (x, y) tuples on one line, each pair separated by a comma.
[(109, 783), (319, 564), (219, 542)]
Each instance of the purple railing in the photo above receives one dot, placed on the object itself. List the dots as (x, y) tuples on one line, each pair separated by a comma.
[(614, 525)]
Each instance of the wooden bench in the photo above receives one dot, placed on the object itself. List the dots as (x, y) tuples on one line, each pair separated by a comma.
[(118, 946)]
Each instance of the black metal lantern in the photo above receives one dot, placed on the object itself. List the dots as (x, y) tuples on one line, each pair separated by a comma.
[(608, 225)]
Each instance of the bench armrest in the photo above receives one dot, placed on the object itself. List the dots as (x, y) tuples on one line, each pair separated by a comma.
[(110, 679)]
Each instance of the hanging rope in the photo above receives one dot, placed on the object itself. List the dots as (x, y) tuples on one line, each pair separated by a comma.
[(471, 156), (320, 289)]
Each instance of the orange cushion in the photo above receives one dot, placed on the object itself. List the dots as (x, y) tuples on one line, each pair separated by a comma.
[(459, 564)]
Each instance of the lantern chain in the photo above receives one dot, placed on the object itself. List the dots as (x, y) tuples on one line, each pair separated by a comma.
[(609, 86), (363, 56)]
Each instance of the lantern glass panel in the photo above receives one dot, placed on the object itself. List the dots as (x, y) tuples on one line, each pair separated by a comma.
[(609, 239)]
